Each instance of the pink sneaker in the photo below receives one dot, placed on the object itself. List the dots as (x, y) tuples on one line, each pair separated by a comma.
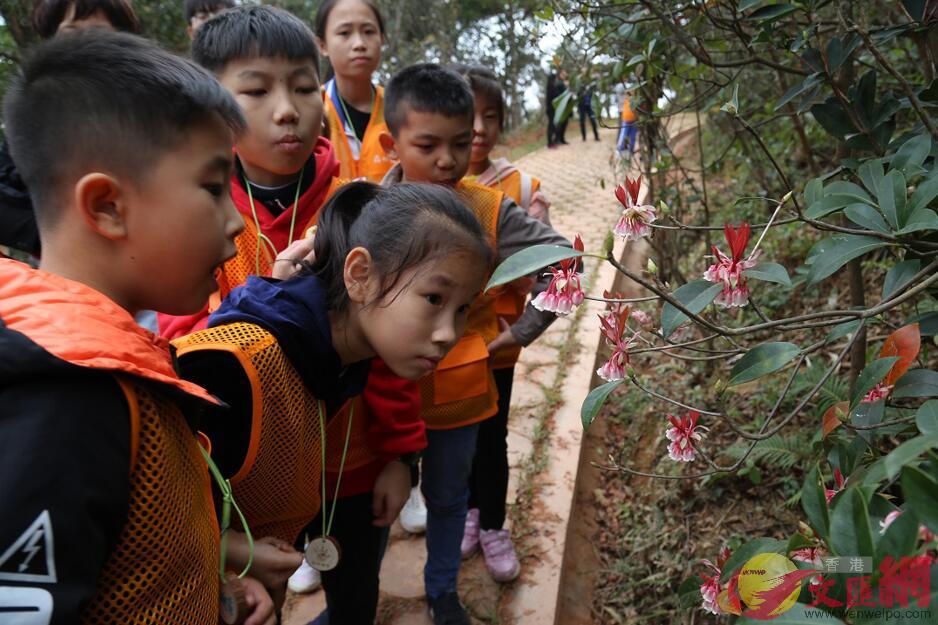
[(470, 539), (499, 552)]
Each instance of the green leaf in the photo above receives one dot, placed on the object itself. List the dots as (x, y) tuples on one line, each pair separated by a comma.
[(916, 383), (813, 191), (890, 195), (839, 51), (815, 504), (922, 219), (732, 107), (851, 532), (762, 360), (769, 272), (799, 614), (871, 375), (745, 5), (921, 495), (843, 250), (563, 106), (907, 452), (594, 402), (912, 153), (927, 323), (771, 13), (900, 538), (797, 89), (845, 187), (529, 260), (926, 418), (899, 275), (827, 205), (926, 191), (871, 173), (688, 592), (842, 329), (695, 296), (866, 216), (750, 549)]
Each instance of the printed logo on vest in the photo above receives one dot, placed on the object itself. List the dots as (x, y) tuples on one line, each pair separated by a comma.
[(31, 557)]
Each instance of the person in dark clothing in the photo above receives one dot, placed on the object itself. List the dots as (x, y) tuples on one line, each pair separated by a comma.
[(18, 228), (561, 132), (585, 107), (552, 92)]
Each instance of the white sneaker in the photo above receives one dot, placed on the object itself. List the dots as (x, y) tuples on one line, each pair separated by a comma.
[(306, 579), (414, 513)]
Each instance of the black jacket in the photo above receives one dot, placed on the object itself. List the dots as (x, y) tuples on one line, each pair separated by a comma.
[(17, 221)]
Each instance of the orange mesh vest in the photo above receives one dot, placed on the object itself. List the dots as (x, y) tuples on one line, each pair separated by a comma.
[(149, 578), (462, 390), (509, 304), (278, 486), (255, 256), (372, 162)]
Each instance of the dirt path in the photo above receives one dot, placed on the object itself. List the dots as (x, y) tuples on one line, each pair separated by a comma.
[(551, 380)]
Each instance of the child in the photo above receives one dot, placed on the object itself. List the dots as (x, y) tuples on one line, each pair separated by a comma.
[(488, 483), (394, 275), (429, 112), (350, 34), (197, 12), (126, 151), (284, 169)]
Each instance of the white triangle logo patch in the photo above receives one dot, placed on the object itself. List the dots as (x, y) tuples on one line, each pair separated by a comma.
[(31, 557)]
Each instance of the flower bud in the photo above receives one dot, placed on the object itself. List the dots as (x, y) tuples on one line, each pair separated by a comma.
[(719, 386), (608, 242), (651, 267)]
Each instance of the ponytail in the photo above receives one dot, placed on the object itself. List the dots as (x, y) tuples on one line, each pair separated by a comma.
[(401, 226)]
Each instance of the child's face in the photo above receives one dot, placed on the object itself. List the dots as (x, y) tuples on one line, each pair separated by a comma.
[(424, 315), (484, 128), (181, 223), (283, 106), (353, 39), (432, 147)]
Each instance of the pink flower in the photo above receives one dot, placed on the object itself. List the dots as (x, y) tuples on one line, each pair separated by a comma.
[(710, 589), (683, 433), (880, 391), (811, 555), (564, 293), (729, 269), (885, 523), (839, 481), (614, 327), (641, 317), (925, 535), (633, 223)]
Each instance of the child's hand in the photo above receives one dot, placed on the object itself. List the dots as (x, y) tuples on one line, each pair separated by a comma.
[(503, 340), (274, 562), (260, 605), (390, 494), (284, 266)]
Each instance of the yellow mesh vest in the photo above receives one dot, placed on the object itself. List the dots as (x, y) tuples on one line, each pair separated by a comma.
[(462, 390), (372, 163), (164, 568), (278, 486), (254, 257)]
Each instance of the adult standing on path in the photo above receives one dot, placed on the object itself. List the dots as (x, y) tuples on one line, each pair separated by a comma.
[(553, 82), (585, 108)]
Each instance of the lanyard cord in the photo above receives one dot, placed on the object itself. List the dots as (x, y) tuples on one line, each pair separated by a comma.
[(348, 117), (261, 237), (326, 529), (227, 503)]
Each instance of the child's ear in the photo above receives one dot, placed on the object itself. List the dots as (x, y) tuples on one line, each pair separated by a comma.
[(389, 145), (102, 204), (358, 275)]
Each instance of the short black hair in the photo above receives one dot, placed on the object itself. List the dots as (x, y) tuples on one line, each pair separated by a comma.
[(253, 31), (93, 101), (428, 88), (48, 14), (483, 80), (191, 7)]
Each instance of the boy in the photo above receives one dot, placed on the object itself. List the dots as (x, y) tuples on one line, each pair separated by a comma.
[(197, 12), (284, 172), (429, 113), (106, 509)]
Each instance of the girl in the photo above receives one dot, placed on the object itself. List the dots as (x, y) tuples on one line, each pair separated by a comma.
[(394, 274), (488, 483), (350, 34)]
